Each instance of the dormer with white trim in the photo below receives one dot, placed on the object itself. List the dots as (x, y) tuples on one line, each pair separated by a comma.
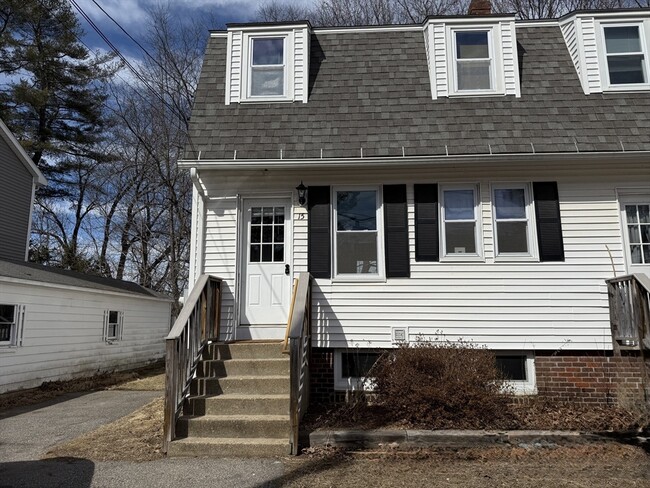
[(610, 50), (472, 56), (268, 63)]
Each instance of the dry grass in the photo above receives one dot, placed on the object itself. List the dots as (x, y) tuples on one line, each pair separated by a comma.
[(602, 465), (136, 437), (151, 383), (52, 389)]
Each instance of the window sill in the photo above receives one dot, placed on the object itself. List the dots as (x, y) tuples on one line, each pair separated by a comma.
[(8, 348), (462, 259), (516, 259), (477, 94), (252, 101), (522, 387), (361, 279), (640, 88)]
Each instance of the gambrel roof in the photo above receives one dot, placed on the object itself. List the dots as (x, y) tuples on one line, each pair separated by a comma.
[(370, 88)]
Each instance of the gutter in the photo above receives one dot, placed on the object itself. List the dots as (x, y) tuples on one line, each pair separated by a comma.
[(244, 164)]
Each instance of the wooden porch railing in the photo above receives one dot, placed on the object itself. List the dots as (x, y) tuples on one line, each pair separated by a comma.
[(197, 324), (300, 357), (629, 312)]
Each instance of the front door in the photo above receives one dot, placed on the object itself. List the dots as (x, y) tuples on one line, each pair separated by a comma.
[(266, 269), (635, 212)]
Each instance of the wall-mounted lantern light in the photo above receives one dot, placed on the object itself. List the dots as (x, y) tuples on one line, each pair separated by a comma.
[(302, 191)]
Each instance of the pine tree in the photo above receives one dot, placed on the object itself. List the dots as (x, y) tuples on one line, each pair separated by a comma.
[(55, 101)]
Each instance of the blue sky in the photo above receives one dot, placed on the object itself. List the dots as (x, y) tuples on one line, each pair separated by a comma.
[(132, 15)]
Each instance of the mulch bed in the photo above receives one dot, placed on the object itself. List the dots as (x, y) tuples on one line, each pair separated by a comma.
[(523, 414)]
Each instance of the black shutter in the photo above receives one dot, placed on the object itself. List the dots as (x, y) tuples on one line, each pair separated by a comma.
[(549, 227), (426, 223), (396, 232), (319, 240)]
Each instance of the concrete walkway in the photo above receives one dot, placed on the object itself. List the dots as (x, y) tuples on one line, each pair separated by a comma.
[(27, 433)]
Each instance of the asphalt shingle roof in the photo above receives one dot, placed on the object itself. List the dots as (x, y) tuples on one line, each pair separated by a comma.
[(46, 274), (371, 90)]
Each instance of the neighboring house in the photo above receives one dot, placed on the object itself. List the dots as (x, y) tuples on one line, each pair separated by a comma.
[(472, 177), (57, 324)]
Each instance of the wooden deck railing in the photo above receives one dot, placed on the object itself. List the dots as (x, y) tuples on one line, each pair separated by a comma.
[(629, 312), (197, 324), (300, 357)]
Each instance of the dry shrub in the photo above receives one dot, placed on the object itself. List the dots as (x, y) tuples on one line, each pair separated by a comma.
[(442, 385)]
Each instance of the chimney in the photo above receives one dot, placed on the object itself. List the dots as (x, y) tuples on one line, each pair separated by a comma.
[(480, 7)]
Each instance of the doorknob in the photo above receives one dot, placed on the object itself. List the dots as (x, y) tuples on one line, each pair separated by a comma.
[(287, 269)]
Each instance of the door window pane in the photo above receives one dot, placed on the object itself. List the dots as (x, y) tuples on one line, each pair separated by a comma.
[(278, 253), (279, 215), (267, 253), (256, 215), (267, 233), (256, 253), (256, 234)]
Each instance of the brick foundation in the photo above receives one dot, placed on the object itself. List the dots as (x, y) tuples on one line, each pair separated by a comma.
[(582, 377), (588, 378)]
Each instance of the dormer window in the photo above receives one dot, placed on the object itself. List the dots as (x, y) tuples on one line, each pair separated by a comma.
[(267, 67), (473, 61), (625, 52)]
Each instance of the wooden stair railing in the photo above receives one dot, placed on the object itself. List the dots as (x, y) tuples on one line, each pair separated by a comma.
[(197, 324), (629, 312), (299, 345)]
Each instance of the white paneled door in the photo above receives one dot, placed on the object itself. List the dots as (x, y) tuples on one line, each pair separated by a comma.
[(266, 283)]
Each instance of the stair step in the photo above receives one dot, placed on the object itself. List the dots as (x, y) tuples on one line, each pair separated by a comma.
[(239, 403), (263, 385), (243, 350), (234, 426), (229, 447), (218, 368)]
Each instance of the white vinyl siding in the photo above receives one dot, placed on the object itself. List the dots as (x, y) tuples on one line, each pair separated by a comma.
[(63, 330), (504, 305)]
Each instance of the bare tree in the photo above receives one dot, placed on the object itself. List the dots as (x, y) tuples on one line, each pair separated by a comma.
[(273, 11)]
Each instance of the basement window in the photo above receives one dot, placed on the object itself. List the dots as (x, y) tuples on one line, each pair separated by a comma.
[(351, 368), (519, 371)]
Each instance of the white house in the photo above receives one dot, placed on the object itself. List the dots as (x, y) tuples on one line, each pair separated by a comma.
[(57, 324), (469, 177)]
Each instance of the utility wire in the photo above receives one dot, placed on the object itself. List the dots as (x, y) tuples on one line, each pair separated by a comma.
[(126, 62)]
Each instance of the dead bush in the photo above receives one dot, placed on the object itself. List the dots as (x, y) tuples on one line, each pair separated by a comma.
[(442, 385)]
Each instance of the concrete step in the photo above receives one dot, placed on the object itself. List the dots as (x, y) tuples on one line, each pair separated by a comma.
[(237, 403), (234, 426), (219, 368), (218, 448), (243, 350), (263, 385)]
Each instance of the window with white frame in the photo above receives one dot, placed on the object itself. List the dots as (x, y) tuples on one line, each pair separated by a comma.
[(352, 368), (113, 325), (626, 54), (460, 225), (511, 211), (267, 67), (11, 320), (357, 233), (518, 371)]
